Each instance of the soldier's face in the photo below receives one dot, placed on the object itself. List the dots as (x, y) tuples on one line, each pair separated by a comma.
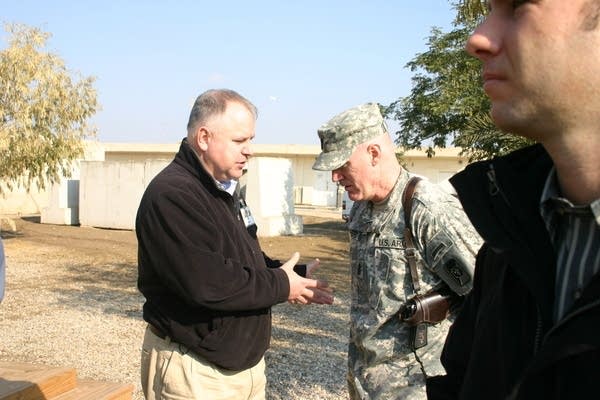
[(355, 176)]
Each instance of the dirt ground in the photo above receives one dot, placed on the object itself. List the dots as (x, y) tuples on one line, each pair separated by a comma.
[(324, 237), (71, 299)]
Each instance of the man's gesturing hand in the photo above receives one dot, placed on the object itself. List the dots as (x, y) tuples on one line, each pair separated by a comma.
[(303, 290)]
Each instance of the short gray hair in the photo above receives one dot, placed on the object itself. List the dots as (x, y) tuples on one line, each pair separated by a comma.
[(214, 102)]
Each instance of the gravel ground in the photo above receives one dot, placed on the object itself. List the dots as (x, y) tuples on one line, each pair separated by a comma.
[(71, 300)]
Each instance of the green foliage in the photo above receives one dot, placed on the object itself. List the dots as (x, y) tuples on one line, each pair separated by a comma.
[(481, 140), (447, 104), (44, 111), (470, 10)]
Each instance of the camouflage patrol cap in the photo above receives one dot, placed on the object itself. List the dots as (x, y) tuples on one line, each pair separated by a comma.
[(342, 133)]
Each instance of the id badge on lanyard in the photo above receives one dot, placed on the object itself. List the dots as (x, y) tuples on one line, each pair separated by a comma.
[(246, 214)]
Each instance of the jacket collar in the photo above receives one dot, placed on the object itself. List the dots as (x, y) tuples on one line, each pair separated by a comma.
[(187, 158), (501, 197)]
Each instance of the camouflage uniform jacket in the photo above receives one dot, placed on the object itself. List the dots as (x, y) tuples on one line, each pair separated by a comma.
[(381, 362)]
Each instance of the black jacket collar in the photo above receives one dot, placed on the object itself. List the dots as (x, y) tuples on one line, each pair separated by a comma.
[(501, 197), (187, 158)]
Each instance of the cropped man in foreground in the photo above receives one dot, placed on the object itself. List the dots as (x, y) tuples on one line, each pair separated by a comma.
[(530, 329)]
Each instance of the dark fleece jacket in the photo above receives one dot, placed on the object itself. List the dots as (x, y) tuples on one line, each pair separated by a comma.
[(203, 274)]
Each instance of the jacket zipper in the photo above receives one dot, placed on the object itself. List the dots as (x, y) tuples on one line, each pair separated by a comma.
[(493, 187), (538, 330)]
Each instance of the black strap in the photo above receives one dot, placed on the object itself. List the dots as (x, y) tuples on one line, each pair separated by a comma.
[(409, 191), (418, 333)]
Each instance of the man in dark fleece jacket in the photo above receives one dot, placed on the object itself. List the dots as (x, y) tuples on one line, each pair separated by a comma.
[(530, 329), (208, 286)]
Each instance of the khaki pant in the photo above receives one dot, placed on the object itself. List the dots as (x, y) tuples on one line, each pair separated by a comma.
[(170, 371)]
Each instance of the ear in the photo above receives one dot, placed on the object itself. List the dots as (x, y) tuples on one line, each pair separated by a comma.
[(202, 138), (374, 151)]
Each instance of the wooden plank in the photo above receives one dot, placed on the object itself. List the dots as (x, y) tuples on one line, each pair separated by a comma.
[(24, 381), (96, 390)]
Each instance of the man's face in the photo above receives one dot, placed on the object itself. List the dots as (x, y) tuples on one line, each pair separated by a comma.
[(226, 147), (356, 176), (541, 66)]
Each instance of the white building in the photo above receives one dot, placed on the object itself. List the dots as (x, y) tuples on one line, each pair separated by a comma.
[(107, 184)]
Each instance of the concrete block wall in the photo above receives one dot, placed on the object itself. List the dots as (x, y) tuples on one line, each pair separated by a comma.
[(110, 191), (270, 196), (63, 206), (325, 191), (22, 202), (114, 176)]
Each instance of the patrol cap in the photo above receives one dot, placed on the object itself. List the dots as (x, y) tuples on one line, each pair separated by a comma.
[(342, 133)]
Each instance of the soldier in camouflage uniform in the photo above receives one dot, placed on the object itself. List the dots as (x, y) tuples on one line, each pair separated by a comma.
[(382, 360)]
